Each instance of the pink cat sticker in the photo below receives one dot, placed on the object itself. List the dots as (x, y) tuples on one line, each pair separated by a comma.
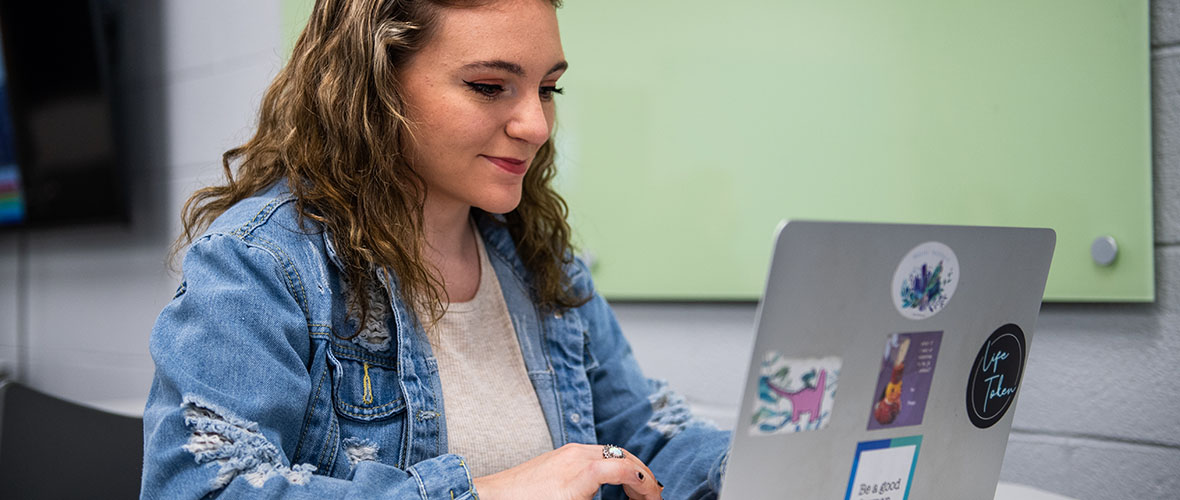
[(794, 394)]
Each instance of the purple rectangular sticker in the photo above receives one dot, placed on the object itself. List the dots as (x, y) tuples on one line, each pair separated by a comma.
[(907, 369)]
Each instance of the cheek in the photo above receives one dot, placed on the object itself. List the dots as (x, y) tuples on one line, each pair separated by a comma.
[(437, 136), (457, 127), (437, 123)]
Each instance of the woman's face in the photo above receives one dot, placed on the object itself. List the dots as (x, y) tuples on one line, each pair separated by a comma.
[(480, 96)]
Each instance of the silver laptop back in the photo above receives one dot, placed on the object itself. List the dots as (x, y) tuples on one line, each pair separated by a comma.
[(887, 360)]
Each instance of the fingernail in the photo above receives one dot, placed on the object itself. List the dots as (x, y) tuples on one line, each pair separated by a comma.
[(641, 476), (659, 483)]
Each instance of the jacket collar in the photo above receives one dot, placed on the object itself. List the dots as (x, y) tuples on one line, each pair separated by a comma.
[(493, 228)]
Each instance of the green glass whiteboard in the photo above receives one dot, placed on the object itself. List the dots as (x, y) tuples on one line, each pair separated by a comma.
[(690, 128)]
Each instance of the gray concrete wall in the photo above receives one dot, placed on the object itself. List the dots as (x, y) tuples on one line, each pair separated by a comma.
[(1099, 414)]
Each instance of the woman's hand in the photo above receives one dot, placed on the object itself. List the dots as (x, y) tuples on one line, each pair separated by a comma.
[(572, 472)]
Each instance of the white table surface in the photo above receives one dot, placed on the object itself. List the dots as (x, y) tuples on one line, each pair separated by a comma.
[(128, 407), (1013, 491)]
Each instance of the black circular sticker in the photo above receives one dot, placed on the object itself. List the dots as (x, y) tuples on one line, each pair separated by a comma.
[(995, 376)]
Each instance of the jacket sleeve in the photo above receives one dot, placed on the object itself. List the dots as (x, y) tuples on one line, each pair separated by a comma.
[(686, 454), (231, 390)]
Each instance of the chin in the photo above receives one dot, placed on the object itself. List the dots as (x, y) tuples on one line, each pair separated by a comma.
[(500, 205)]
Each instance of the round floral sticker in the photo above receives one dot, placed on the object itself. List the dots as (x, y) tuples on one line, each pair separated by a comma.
[(925, 280)]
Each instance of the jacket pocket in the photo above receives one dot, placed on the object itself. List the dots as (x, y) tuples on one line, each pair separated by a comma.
[(364, 387)]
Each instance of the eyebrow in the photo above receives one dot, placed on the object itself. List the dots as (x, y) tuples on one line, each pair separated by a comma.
[(511, 67)]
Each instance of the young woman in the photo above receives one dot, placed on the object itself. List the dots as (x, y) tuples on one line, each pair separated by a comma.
[(382, 301)]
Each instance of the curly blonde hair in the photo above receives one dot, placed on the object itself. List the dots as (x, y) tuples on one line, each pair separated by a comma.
[(333, 125)]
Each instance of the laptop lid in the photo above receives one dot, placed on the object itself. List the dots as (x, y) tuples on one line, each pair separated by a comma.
[(886, 361)]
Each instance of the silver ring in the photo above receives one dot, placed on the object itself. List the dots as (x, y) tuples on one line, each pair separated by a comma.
[(612, 451)]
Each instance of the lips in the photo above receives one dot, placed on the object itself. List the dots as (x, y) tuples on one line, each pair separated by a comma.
[(510, 165)]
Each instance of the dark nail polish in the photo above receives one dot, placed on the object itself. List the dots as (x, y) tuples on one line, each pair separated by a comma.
[(641, 476), (659, 483)]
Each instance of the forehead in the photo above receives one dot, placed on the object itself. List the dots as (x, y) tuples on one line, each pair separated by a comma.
[(520, 31)]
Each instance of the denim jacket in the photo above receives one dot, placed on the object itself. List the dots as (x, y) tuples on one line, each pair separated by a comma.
[(266, 386)]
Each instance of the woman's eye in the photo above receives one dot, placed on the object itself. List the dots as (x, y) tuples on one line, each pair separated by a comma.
[(547, 93), (488, 90)]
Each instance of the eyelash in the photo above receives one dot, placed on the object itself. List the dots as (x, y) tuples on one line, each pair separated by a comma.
[(547, 92), (490, 91)]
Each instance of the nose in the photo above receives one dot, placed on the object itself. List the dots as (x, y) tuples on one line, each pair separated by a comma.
[(530, 123)]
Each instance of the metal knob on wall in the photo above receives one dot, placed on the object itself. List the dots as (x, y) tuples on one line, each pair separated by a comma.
[(1104, 250)]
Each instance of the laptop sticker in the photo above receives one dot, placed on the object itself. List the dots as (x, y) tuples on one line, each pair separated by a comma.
[(907, 369), (925, 280), (794, 394), (995, 376), (883, 470)]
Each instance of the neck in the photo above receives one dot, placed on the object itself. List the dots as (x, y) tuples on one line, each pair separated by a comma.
[(451, 248), (447, 227)]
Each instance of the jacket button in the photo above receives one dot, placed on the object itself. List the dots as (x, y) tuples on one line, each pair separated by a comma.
[(575, 417)]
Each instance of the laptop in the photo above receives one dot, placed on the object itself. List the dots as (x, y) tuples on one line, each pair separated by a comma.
[(887, 361)]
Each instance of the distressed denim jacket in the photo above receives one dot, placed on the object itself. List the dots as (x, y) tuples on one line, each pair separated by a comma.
[(266, 386)]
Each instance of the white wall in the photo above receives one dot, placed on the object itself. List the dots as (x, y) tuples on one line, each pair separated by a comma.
[(190, 77), (1099, 412)]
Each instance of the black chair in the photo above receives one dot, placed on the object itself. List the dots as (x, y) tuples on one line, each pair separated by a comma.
[(52, 448)]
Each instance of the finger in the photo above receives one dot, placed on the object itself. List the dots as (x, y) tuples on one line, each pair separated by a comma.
[(647, 488), (597, 470), (646, 471), (645, 475), (630, 457), (635, 478), (641, 495), (623, 473)]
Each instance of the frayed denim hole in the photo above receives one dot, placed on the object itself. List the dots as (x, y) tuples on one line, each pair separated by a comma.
[(670, 412), (373, 334), (236, 446), (359, 450)]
